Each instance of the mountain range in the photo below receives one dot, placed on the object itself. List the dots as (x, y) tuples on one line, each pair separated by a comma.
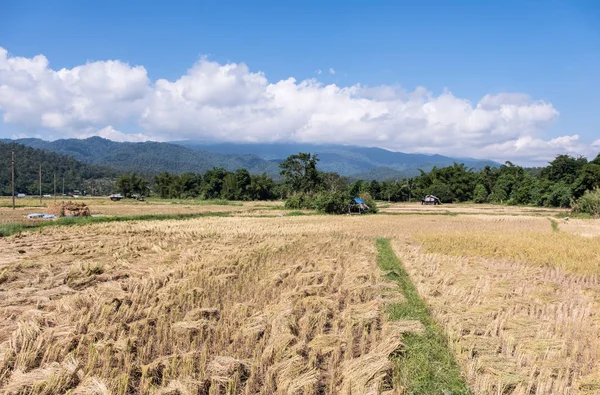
[(192, 156)]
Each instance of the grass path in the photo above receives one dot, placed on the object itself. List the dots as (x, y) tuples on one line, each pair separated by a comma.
[(425, 365)]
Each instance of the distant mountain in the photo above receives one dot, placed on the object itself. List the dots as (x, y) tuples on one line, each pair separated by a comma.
[(76, 175), (371, 163), (382, 174), (151, 157)]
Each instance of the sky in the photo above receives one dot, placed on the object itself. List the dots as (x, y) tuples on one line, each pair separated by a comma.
[(509, 80)]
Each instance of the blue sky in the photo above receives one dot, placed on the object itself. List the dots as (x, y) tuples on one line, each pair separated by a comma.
[(548, 51)]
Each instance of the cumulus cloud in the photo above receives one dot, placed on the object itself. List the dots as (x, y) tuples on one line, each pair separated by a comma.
[(229, 102), (111, 133), (596, 144)]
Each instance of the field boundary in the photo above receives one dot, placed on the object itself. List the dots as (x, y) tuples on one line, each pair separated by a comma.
[(11, 229), (425, 365)]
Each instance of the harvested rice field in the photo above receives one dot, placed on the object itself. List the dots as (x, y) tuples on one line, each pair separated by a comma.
[(479, 302)]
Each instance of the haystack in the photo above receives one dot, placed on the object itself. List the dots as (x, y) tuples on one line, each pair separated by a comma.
[(69, 209)]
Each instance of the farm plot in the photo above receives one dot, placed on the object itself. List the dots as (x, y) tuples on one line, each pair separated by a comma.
[(297, 305), (519, 301), (228, 305)]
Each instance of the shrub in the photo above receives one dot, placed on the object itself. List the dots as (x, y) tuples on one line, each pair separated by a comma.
[(366, 196), (559, 196), (300, 201), (327, 202), (332, 202), (589, 203), (480, 194)]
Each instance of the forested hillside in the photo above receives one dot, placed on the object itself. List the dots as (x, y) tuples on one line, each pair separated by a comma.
[(76, 175), (352, 161), (151, 158)]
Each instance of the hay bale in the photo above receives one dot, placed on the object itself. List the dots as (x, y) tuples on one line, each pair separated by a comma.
[(73, 209), (69, 209)]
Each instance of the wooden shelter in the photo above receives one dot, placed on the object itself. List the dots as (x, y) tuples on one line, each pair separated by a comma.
[(357, 206)]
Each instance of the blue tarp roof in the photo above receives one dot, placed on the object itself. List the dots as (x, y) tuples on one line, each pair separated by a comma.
[(359, 201)]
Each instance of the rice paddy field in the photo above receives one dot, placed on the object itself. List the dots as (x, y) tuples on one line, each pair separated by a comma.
[(438, 300)]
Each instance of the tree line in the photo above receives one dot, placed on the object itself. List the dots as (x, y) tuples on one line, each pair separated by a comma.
[(563, 181)]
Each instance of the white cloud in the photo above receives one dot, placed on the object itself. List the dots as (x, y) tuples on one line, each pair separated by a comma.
[(111, 133), (319, 71), (228, 102), (596, 144), (33, 95), (331, 71)]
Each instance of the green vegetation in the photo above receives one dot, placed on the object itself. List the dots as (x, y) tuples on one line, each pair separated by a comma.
[(294, 214), (10, 229), (588, 204), (200, 202), (204, 175), (308, 188), (150, 158), (565, 178), (554, 225), (77, 175), (216, 183), (425, 364)]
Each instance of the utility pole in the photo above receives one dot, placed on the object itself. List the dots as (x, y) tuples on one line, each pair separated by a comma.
[(55, 187), (40, 184), (63, 186), (13, 178)]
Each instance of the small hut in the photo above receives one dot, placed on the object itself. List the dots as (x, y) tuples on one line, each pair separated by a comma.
[(357, 206), (430, 199)]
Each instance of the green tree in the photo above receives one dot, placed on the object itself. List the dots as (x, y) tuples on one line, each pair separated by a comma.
[(480, 194), (212, 183), (334, 182), (163, 183), (588, 179), (261, 187), (564, 168), (124, 185), (229, 190), (375, 189), (441, 191), (300, 173), (243, 180), (130, 184)]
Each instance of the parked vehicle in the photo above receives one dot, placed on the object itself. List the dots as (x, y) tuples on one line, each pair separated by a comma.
[(115, 197)]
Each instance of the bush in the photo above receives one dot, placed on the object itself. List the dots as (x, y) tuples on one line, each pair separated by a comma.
[(366, 196), (332, 202), (300, 201), (327, 202), (480, 194), (589, 203), (559, 196)]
